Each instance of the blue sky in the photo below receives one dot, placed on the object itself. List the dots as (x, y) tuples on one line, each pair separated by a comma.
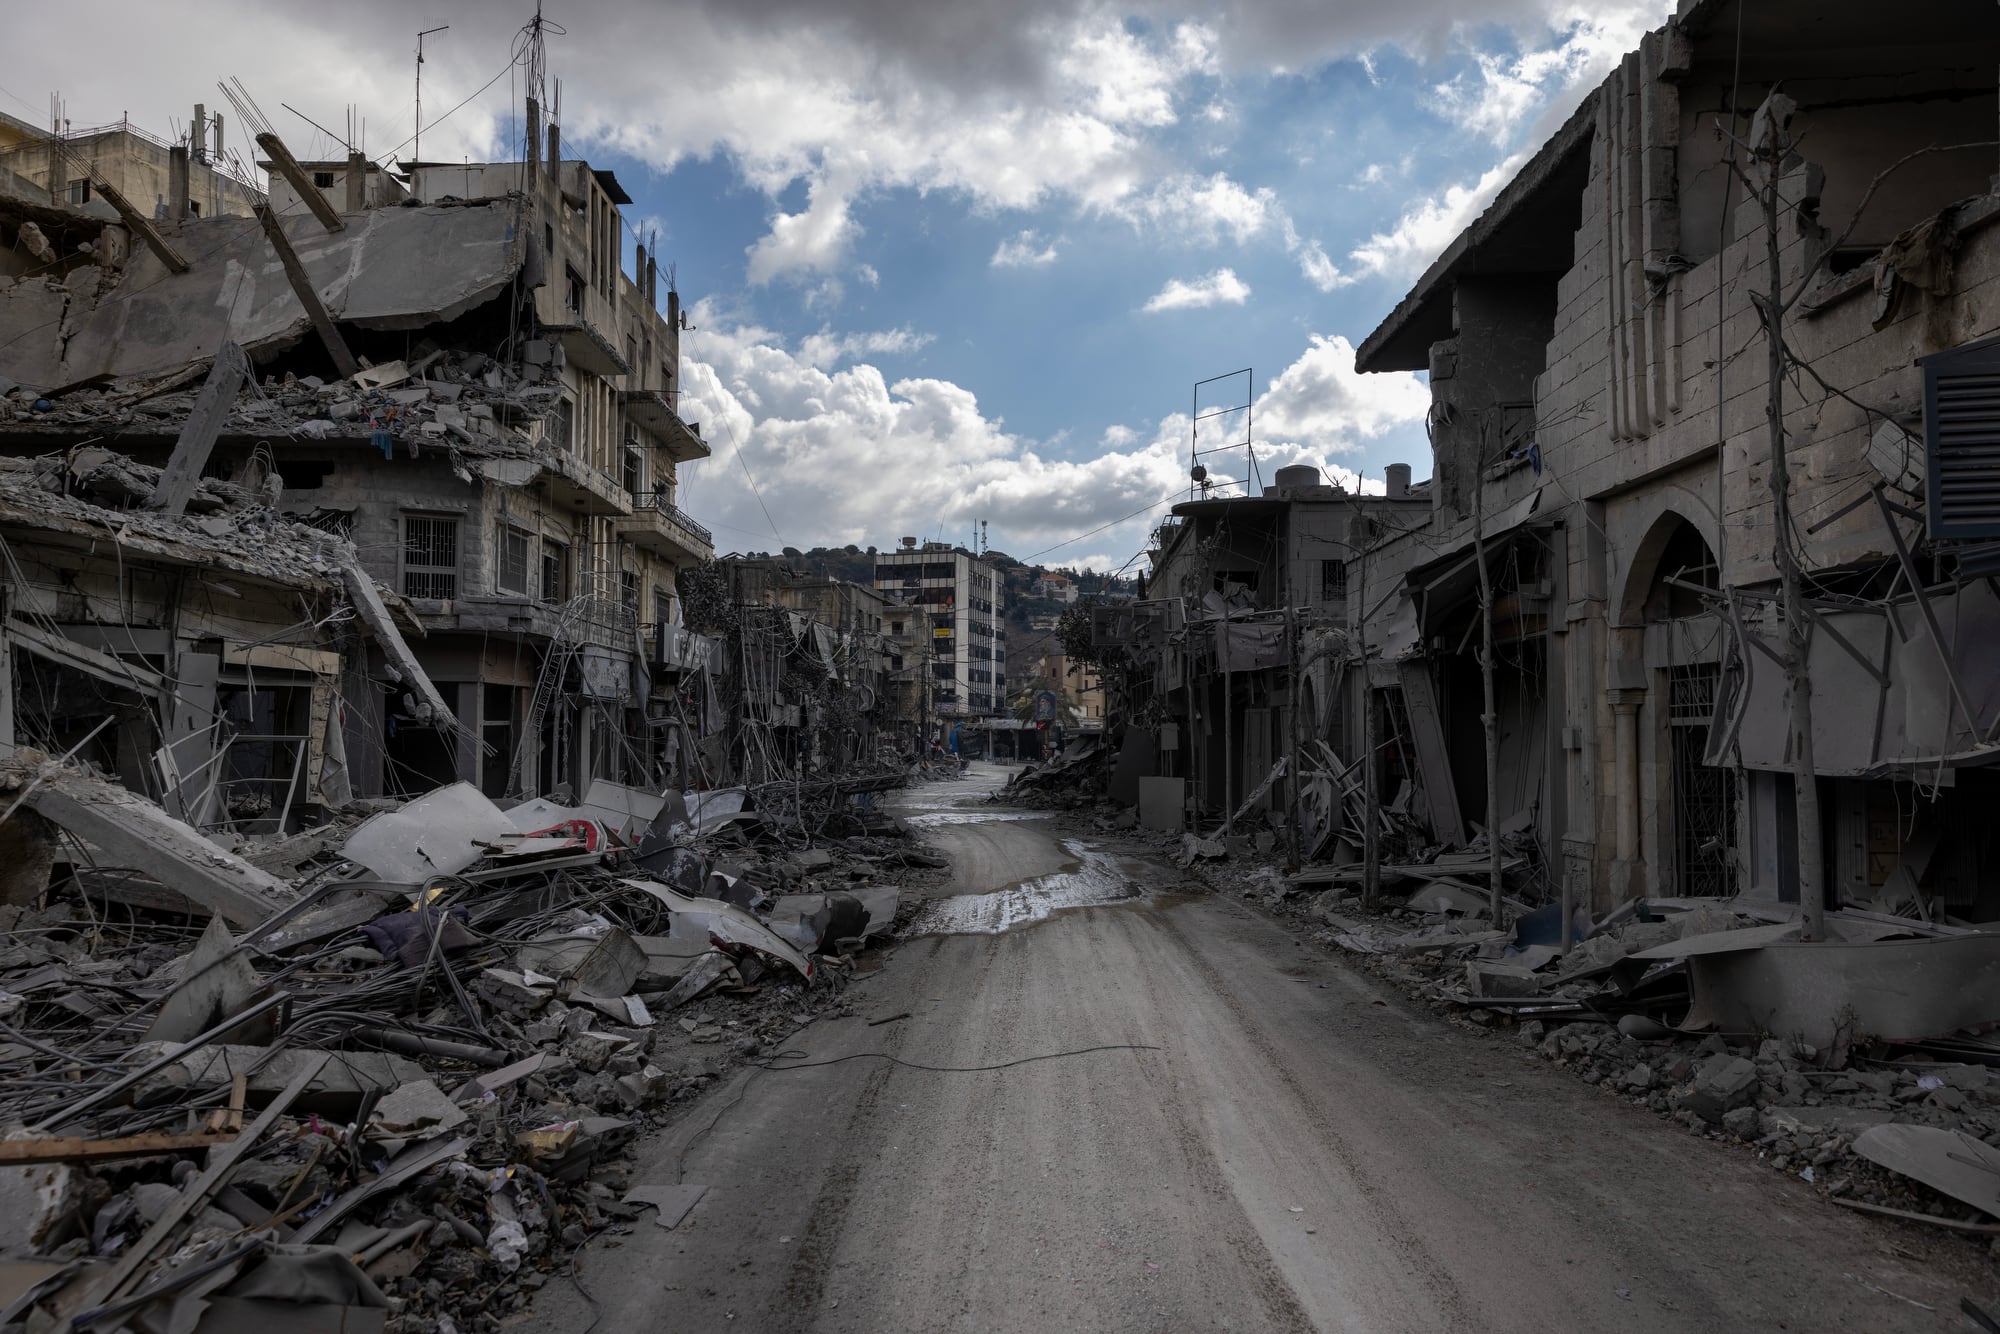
[(953, 262)]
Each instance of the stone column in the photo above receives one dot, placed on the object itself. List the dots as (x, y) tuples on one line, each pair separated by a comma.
[(1628, 874)]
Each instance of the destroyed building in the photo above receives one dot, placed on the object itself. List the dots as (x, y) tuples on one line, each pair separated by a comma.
[(1233, 659), (1602, 361), (470, 388), (195, 176), (810, 679)]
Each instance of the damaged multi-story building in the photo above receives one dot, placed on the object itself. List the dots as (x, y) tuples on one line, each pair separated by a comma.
[(461, 371), (1610, 347), (1231, 660), (958, 600), (195, 176), (812, 672)]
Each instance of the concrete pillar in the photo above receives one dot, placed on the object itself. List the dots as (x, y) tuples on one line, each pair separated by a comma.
[(177, 183), (1628, 879), (357, 183), (555, 152)]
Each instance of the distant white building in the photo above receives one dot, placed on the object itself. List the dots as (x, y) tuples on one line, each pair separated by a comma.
[(1060, 587), (964, 601)]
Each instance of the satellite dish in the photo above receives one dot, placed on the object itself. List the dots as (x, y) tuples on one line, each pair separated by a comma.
[(1198, 473)]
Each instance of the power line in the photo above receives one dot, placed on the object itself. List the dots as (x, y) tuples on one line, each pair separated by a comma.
[(1101, 527)]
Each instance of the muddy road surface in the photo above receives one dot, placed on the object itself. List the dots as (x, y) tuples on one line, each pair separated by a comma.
[(1186, 1120)]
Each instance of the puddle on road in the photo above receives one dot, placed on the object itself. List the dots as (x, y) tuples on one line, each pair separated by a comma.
[(1099, 880)]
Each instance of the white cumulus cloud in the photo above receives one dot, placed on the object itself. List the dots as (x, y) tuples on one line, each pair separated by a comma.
[(1025, 250), (842, 454), (1221, 288)]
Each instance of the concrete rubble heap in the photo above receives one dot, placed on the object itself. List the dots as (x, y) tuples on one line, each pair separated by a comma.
[(457, 402), (407, 1090)]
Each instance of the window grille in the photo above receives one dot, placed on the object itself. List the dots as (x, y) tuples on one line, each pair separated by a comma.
[(430, 556), (514, 550)]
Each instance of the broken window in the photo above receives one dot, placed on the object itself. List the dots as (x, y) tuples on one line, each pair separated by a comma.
[(430, 556), (79, 192), (635, 463), (566, 424), (514, 546), (322, 180), (628, 588), (573, 291), (555, 571)]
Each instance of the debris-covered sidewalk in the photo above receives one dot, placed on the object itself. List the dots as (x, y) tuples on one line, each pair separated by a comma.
[(389, 1083)]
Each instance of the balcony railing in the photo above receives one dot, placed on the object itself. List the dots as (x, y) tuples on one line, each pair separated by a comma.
[(657, 503)]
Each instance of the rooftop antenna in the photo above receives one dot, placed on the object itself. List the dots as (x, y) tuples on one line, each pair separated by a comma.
[(417, 139), (317, 126), (1198, 474)]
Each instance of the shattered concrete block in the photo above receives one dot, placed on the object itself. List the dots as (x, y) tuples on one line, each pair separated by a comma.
[(1639, 1078), (648, 1084), (418, 1109), (510, 992), (593, 1051), (1742, 1122), (1721, 1084)]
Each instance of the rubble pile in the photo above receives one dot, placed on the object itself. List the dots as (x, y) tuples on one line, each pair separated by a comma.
[(1621, 1011), (408, 1093), (1072, 780), (89, 489), (437, 398)]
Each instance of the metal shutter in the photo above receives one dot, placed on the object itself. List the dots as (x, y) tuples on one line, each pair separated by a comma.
[(1962, 442)]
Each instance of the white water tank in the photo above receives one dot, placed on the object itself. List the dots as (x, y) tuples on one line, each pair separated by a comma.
[(1398, 487)]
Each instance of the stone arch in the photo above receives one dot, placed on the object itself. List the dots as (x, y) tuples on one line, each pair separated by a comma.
[(1678, 529)]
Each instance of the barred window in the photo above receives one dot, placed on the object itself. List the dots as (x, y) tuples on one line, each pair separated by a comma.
[(514, 549), (1332, 581), (555, 572), (430, 556)]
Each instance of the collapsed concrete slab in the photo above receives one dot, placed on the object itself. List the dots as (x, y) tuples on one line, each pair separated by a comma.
[(391, 269), (132, 832)]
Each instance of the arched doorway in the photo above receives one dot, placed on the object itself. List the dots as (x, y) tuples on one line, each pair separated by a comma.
[(1671, 576)]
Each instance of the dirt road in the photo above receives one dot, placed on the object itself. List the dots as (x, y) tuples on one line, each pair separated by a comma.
[(1290, 1147)]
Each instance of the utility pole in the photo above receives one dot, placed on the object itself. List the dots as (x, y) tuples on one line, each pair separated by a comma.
[(417, 139), (1293, 649), (1371, 796), (1770, 150), (1490, 719)]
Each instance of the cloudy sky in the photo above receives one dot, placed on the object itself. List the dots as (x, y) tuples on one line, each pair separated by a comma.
[(953, 261)]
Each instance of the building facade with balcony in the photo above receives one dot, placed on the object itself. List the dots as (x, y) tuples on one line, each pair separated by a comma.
[(961, 601)]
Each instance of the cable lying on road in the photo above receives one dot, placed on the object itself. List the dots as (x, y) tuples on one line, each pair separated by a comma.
[(772, 1066)]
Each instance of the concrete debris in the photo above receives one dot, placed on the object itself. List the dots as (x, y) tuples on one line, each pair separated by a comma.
[(1721, 1084), (565, 1004)]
